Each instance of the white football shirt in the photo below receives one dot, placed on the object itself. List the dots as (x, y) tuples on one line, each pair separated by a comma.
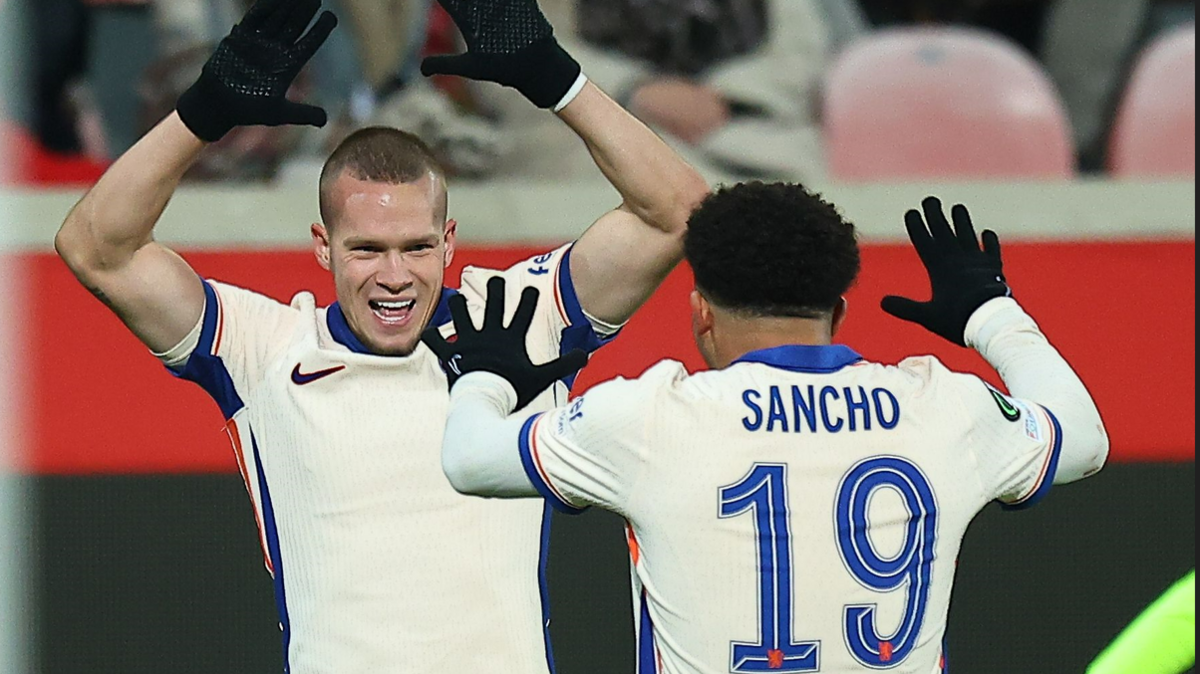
[(799, 511), (379, 565)]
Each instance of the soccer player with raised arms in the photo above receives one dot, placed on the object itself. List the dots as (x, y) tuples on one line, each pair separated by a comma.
[(336, 413), (796, 508)]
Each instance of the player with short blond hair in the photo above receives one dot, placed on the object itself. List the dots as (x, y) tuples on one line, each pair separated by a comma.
[(336, 413)]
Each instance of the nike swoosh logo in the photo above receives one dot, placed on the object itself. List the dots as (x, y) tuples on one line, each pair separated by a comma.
[(301, 379), (1010, 411)]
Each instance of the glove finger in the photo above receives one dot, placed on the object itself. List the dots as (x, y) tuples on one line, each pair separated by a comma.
[(964, 228), (564, 366), (523, 317), (461, 65), (463, 324), (303, 115), (259, 13), (991, 246), (905, 309), (273, 23), (297, 19), (935, 217), (310, 43), (493, 309), (437, 344), (918, 233)]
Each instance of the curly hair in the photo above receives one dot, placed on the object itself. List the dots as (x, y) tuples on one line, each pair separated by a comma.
[(771, 250)]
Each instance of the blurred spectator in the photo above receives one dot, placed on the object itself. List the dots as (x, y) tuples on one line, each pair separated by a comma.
[(60, 29), (732, 83), (79, 107), (1090, 49)]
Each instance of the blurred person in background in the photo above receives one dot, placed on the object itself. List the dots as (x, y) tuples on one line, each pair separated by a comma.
[(1090, 48), (734, 85), (87, 53)]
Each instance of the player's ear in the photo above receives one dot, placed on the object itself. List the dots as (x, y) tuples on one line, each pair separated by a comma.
[(450, 237), (702, 315), (320, 240), (839, 315)]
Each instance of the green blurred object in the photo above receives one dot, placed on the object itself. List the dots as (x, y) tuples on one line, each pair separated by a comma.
[(1162, 640)]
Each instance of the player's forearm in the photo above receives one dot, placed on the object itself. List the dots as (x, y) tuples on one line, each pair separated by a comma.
[(117, 216), (479, 449), (1034, 370), (657, 185)]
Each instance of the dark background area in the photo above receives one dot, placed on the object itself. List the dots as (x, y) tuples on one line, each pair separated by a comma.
[(164, 574)]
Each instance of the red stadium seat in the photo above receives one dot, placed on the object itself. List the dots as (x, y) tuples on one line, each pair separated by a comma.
[(1155, 134), (943, 103)]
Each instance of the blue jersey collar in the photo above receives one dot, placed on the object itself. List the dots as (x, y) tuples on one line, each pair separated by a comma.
[(342, 334), (804, 358)]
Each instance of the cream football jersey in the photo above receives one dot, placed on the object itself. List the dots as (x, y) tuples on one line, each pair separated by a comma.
[(379, 565), (799, 511)]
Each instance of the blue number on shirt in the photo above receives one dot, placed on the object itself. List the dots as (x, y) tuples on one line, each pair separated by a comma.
[(910, 569), (764, 492)]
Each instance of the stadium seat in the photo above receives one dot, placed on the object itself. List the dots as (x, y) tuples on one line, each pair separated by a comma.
[(943, 103), (1155, 133)]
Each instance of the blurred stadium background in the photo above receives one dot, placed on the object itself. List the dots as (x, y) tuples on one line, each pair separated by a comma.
[(126, 544)]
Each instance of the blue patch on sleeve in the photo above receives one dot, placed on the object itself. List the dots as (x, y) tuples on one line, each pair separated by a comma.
[(579, 334), (207, 370)]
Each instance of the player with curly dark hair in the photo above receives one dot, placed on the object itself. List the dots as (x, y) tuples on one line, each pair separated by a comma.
[(797, 508), (772, 250)]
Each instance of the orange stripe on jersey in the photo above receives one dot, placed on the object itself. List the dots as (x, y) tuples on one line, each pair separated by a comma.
[(1053, 442), (537, 460), (235, 437), (220, 323), (635, 550)]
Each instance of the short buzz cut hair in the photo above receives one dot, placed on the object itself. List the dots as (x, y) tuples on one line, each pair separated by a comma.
[(772, 250), (379, 154)]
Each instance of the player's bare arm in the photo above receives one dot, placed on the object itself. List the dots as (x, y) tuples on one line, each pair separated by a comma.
[(972, 305), (107, 239), (624, 256)]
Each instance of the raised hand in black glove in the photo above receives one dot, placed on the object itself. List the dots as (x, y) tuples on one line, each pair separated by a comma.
[(509, 42), (497, 349), (246, 80), (963, 276)]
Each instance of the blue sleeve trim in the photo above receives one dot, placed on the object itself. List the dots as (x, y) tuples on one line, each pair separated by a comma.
[(1052, 470), (207, 370), (535, 476), (579, 334)]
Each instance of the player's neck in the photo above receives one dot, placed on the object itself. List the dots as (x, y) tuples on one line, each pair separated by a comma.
[(736, 337)]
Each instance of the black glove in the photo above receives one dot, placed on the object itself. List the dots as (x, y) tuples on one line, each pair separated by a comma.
[(246, 80), (498, 349), (509, 42), (963, 276)]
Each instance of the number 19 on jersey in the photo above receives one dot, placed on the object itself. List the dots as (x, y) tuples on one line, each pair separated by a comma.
[(763, 493)]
